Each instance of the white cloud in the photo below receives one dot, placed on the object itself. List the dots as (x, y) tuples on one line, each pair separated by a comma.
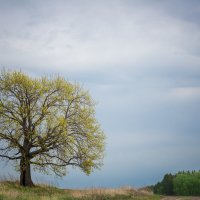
[(185, 93), (93, 36)]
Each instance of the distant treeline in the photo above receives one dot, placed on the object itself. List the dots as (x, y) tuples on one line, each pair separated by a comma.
[(182, 183)]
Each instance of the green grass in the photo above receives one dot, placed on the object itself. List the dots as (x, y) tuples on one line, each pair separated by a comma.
[(13, 191)]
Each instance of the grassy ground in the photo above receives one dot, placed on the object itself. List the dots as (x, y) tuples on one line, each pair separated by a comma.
[(12, 190)]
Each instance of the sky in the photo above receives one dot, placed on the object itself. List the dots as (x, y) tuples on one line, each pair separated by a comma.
[(139, 59)]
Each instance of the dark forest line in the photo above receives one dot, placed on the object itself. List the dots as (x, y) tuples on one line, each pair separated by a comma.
[(186, 183)]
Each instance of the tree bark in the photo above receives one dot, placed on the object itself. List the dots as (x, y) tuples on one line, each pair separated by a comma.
[(25, 173)]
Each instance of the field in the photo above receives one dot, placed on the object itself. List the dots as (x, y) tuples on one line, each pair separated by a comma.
[(10, 190)]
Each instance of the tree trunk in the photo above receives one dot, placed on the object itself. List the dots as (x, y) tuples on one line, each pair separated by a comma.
[(25, 173)]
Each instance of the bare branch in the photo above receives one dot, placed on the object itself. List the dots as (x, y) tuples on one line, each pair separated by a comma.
[(10, 157)]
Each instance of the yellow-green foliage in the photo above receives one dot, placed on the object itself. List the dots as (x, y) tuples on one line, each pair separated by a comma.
[(49, 123)]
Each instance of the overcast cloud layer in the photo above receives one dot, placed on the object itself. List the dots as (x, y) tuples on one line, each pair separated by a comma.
[(140, 60)]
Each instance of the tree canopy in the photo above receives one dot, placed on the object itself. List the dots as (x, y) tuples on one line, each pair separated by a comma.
[(182, 183), (48, 123)]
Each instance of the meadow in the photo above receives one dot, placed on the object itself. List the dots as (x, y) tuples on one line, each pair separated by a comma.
[(11, 190)]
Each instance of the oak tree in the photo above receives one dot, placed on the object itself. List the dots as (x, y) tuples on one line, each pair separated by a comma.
[(47, 124)]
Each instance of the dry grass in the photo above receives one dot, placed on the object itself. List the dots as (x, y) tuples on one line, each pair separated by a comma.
[(107, 191), (95, 191), (12, 190)]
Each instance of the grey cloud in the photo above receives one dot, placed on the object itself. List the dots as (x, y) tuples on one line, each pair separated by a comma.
[(138, 59), (97, 34)]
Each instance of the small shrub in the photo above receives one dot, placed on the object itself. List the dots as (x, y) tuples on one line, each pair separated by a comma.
[(2, 197)]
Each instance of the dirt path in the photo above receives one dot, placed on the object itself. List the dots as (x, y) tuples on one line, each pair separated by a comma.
[(181, 198)]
